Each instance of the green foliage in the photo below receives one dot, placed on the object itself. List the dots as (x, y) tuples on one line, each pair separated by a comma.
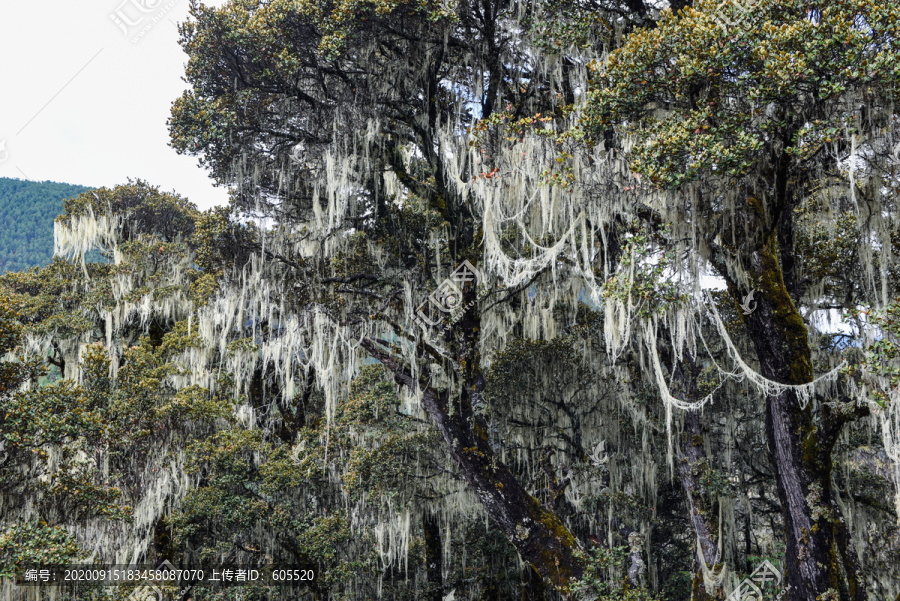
[(50, 299), (13, 373), (32, 541), (708, 102), (141, 209), (262, 500), (251, 486), (35, 543), (882, 357), (79, 450), (221, 241)]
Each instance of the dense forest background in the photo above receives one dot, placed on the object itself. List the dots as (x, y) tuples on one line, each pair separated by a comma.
[(27, 211)]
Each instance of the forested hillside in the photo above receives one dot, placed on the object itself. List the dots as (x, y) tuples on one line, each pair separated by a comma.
[(27, 211), (512, 300)]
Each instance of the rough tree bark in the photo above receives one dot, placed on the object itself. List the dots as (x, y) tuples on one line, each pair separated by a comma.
[(819, 557)]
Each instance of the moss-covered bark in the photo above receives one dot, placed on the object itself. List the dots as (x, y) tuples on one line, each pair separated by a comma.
[(800, 442)]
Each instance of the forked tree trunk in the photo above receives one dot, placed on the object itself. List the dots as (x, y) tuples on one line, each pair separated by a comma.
[(819, 557)]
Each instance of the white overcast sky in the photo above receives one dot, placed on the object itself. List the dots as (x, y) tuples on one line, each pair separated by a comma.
[(82, 102)]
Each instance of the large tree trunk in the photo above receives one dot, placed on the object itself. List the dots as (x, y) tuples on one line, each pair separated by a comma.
[(819, 558)]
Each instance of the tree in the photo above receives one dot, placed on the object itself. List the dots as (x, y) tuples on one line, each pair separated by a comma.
[(412, 188), (92, 456), (394, 145), (749, 138), (452, 337), (32, 541), (345, 124)]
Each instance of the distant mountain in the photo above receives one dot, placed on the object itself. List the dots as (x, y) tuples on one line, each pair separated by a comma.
[(27, 211)]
